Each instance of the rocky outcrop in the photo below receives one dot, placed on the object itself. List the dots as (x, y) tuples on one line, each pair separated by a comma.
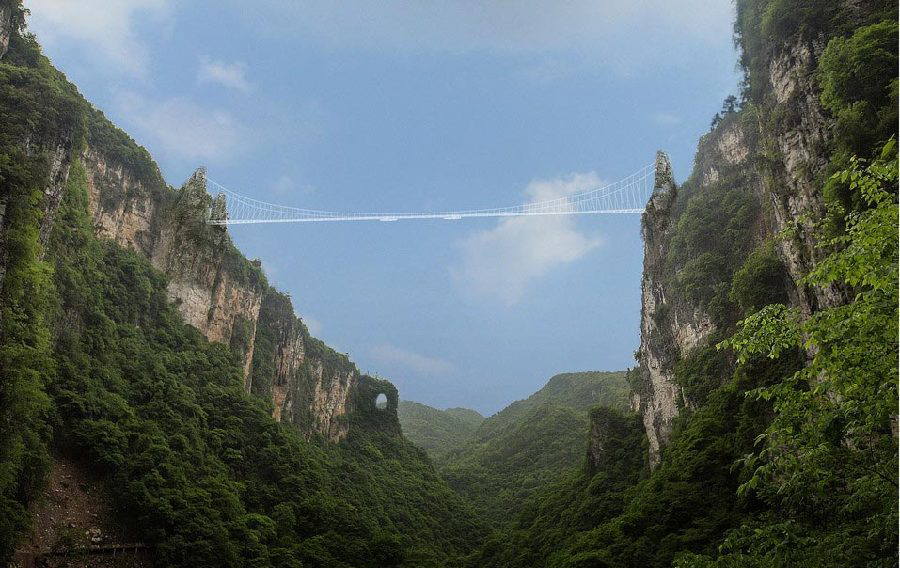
[(6, 24), (800, 137), (308, 383), (222, 294), (58, 163), (328, 400), (670, 328), (672, 325), (123, 208), (214, 288)]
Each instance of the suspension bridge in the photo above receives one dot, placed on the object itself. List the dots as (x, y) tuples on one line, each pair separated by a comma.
[(628, 195)]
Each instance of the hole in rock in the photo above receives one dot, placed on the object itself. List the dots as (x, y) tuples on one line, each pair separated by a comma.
[(381, 401)]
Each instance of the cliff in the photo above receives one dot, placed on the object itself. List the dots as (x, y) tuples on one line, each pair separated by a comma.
[(214, 287), (308, 384), (754, 201), (6, 27), (696, 237), (688, 268)]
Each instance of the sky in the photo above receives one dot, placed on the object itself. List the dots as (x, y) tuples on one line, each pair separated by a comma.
[(420, 106)]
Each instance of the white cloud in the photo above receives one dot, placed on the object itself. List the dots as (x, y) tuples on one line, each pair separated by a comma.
[(528, 26), (502, 261), (312, 324), (231, 75), (387, 354), (665, 118), (106, 28), (185, 129), (285, 184)]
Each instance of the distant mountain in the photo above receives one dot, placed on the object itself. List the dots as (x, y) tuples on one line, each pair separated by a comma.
[(575, 391), (437, 431), (467, 415), (531, 442)]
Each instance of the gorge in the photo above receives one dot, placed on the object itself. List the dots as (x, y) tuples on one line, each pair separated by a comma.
[(144, 354)]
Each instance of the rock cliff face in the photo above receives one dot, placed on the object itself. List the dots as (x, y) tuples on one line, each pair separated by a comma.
[(215, 289), (225, 296), (5, 27), (123, 208), (801, 154), (671, 326), (308, 383), (773, 150), (657, 399)]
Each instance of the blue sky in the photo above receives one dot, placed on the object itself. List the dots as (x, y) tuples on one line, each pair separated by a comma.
[(387, 105)]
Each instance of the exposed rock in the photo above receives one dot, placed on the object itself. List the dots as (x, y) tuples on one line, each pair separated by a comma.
[(330, 394), (669, 328), (308, 383), (123, 209), (170, 229), (215, 290), (59, 161), (801, 142), (5, 28)]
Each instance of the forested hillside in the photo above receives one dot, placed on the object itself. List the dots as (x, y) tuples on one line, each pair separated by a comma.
[(437, 431), (531, 442), (97, 362)]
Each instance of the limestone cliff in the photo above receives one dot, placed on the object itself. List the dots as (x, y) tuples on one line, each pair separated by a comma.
[(6, 27), (308, 383), (224, 295), (769, 153), (657, 399), (215, 289), (799, 140)]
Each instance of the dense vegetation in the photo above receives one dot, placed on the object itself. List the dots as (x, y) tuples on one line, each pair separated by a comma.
[(437, 431), (784, 453), (94, 360), (530, 442)]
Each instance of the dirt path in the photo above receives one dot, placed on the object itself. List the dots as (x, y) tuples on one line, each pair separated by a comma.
[(76, 511)]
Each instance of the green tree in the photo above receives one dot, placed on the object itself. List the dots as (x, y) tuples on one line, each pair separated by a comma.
[(830, 453)]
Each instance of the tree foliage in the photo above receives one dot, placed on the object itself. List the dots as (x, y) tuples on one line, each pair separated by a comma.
[(530, 443), (830, 453)]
